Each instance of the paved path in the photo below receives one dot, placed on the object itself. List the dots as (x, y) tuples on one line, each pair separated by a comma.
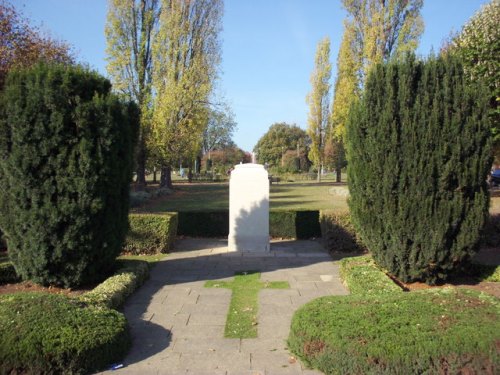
[(177, 325)]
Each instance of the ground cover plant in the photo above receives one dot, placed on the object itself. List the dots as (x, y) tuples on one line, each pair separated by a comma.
[(113, 292), (241, 319), (433, 332), (363, 277), (44, 333), (418, 165), (66, 146)]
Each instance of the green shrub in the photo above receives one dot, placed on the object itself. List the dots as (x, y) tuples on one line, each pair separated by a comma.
[(362, 276), (113, 292), (338, 232), (151, 233), (204, 223), (418, 162), (445, 331), (52, 334), (294, 224), (66, 146)]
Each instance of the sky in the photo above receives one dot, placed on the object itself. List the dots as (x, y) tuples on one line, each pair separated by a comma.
[(268, 48)]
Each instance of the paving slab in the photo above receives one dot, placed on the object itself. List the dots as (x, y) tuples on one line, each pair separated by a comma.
[(177, 324)]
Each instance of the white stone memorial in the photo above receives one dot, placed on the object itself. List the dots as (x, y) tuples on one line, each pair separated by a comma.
[(249, 209)]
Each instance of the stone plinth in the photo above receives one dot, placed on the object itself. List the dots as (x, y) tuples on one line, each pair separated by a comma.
[(249, 209)]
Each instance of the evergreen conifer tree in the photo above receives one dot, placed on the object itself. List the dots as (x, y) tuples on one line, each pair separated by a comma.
[(66, 148), (419, 155)]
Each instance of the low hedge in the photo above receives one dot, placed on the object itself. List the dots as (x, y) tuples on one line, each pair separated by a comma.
[(151, 233), (294, 224), (338, 233), (485, 272), (443, 331), (113, 292), (203, 223), (363, 277), (53, 334), (283, 224)]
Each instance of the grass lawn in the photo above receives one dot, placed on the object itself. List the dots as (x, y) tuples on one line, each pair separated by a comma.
[(304, 195), (284, 196)]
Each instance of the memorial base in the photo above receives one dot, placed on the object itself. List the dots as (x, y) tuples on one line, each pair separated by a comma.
[(248, 244)]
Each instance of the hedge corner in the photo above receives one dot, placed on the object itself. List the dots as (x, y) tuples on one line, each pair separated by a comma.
[(151, 233)]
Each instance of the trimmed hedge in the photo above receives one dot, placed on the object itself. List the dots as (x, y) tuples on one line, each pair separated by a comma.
[(294, 224), (151, 233), (204, 223), (363, 277), (443, 331), (53, 334), (284, 224), (485, 272), (66, 158), (338, 232), (113, 292)]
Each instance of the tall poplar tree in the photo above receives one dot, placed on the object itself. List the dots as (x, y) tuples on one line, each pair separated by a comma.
[(319, 106), (383, 29), (186, 59), (130, 29), (346, 90), (375, 31)]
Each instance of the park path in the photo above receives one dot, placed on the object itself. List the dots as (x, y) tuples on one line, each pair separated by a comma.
[(177, 324)]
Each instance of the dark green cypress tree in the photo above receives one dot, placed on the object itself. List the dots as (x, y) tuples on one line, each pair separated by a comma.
[(418, 158), (66, 146)]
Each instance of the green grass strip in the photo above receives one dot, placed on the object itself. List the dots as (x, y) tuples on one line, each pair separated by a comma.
[(363, 277), (241, 319)]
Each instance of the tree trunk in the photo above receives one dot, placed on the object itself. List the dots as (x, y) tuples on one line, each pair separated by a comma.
[(190, 175), (154, 175), (338, 172), (339, 160), (166, 177), (198, 165), (141, 164), (319, 173)]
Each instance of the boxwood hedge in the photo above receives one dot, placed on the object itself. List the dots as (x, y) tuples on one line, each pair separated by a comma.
[(151, 233), (53, 334), (284, 224)]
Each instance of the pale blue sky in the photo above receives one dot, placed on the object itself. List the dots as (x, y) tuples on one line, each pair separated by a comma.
[(268, 48)]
